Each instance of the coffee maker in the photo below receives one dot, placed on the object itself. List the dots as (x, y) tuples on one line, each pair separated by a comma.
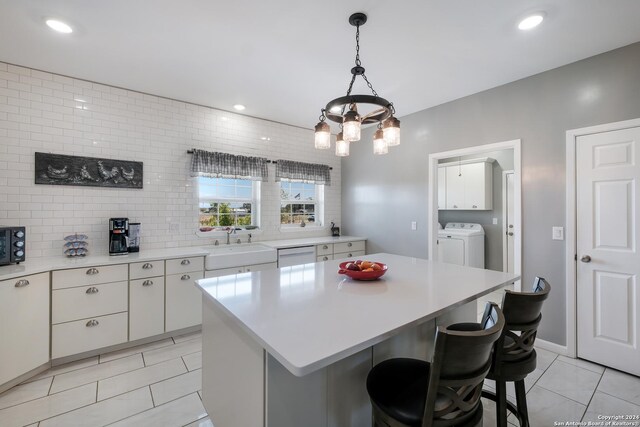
[(118, 236)]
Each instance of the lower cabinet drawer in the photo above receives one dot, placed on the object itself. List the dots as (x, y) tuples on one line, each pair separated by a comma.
[(183, 301), (346, 255), (223, 272), (185, 265), (326, 249), (88, 301), (339, 248), (88, 334), (325, 258)]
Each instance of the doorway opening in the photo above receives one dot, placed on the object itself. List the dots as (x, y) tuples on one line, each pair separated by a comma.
[(474, 208)]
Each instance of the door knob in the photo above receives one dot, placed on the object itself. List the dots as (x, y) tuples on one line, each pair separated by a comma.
[(585, 258), (510, 233)]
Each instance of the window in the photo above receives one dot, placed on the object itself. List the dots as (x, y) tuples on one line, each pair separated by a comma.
[(300, 201), (226, 202)]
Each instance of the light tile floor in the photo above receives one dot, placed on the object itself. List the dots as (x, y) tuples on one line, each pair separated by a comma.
[(159, 384)]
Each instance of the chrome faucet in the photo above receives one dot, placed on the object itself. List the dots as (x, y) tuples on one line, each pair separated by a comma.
[(230, 231), (216, 243), (249, 239)]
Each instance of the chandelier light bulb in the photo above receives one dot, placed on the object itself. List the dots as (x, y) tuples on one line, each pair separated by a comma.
[(342, 146), (391, 130), (379, 144), (323, 136), (351, 125)]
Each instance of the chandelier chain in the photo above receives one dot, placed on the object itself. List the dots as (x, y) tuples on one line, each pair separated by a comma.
[(358, 63), (373, 91)]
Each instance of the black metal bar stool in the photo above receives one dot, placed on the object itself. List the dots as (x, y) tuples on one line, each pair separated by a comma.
[(514, 357), (446, 392)]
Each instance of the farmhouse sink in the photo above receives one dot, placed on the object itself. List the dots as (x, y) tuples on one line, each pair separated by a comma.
[(235, 255)]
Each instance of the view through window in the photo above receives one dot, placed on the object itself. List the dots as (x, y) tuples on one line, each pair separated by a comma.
[(298, 202), (227, 202)]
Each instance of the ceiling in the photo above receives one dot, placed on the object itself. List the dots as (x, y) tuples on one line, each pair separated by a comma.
[(285, 59)]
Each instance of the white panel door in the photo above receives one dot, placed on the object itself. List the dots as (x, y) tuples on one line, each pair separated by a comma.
[(509, 223), (608, 174)]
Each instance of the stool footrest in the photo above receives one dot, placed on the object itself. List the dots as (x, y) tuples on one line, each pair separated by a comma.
[(510, 407)]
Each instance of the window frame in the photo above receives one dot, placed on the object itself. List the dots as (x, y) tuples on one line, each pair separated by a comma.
[(318, 207), (255, 208)]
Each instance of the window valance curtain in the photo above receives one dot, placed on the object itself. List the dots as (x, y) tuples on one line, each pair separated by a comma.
[(223, 165), (307, 172)]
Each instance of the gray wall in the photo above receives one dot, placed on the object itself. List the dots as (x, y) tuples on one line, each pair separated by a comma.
[(493, 233), (382, 194)]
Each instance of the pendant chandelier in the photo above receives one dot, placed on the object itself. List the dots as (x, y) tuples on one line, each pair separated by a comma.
[(344, 111)]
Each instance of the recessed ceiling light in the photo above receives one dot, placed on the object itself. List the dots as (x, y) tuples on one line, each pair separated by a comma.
[(531, 21), (239, 107), (59, 26), (265, 138)]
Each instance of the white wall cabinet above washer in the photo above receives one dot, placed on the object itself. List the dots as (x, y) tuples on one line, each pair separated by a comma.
[(466, 185)]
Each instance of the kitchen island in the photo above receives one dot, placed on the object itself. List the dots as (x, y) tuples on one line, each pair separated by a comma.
[(293, 346)]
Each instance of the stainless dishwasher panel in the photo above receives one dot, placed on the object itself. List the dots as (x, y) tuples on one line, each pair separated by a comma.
[(295, 256)]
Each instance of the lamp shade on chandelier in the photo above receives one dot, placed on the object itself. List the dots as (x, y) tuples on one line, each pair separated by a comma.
[(344, 111)]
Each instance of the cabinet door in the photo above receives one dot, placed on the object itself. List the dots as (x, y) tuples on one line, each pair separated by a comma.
[(146, 307), (24, 325), (476, 188), (455, 187), (183, 301), (442, 188)]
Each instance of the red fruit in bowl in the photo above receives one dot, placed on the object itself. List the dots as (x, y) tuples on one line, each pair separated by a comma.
[(353, 267), (358, 262)]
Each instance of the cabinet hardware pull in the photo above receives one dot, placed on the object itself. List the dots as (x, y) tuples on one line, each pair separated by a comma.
[(248, 269), (147, 266), (147, 283), (92, 323), (325, 247), (93, 290), (350, 255), (185, 277), (324, 258), (349, 244), (474, 206), (185, 262), (92, 271), (22, 283), (455, 206)]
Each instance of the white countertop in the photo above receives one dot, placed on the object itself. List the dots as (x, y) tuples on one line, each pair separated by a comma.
[(308, 316), (41, 265)]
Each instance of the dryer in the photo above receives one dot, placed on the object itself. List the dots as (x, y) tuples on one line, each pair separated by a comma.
[(461, 243)]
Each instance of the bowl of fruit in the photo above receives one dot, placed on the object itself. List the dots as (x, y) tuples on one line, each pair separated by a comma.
[(363, 270)]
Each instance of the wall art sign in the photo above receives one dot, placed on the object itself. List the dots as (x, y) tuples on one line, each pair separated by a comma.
[(58, 169)]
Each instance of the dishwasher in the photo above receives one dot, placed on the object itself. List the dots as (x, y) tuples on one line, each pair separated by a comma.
[(295, 256)]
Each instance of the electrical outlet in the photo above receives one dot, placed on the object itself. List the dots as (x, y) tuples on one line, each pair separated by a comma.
[(414, 225), (495, 221), (557, 233)]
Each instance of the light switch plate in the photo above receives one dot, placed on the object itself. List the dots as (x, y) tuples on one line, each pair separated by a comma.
[(495, 221), (414, 225), (558, 233)]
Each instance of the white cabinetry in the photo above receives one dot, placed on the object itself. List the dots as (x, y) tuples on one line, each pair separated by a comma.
[(146, 299), (341, 250), (89, 309), (442, 188), (183, 299), (24, 325), (466, 185)]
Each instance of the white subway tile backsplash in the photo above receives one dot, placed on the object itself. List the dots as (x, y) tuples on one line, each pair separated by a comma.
[(40, 111)]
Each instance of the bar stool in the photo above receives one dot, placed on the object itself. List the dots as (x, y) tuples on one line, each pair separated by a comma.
[(515, 357), (446, 392)]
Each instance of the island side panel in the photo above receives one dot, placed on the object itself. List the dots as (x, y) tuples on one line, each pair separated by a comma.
[(233, 371), (348, 400), (416, 343)]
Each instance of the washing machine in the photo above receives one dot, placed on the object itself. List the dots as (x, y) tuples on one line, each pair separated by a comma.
[(461, 243)]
